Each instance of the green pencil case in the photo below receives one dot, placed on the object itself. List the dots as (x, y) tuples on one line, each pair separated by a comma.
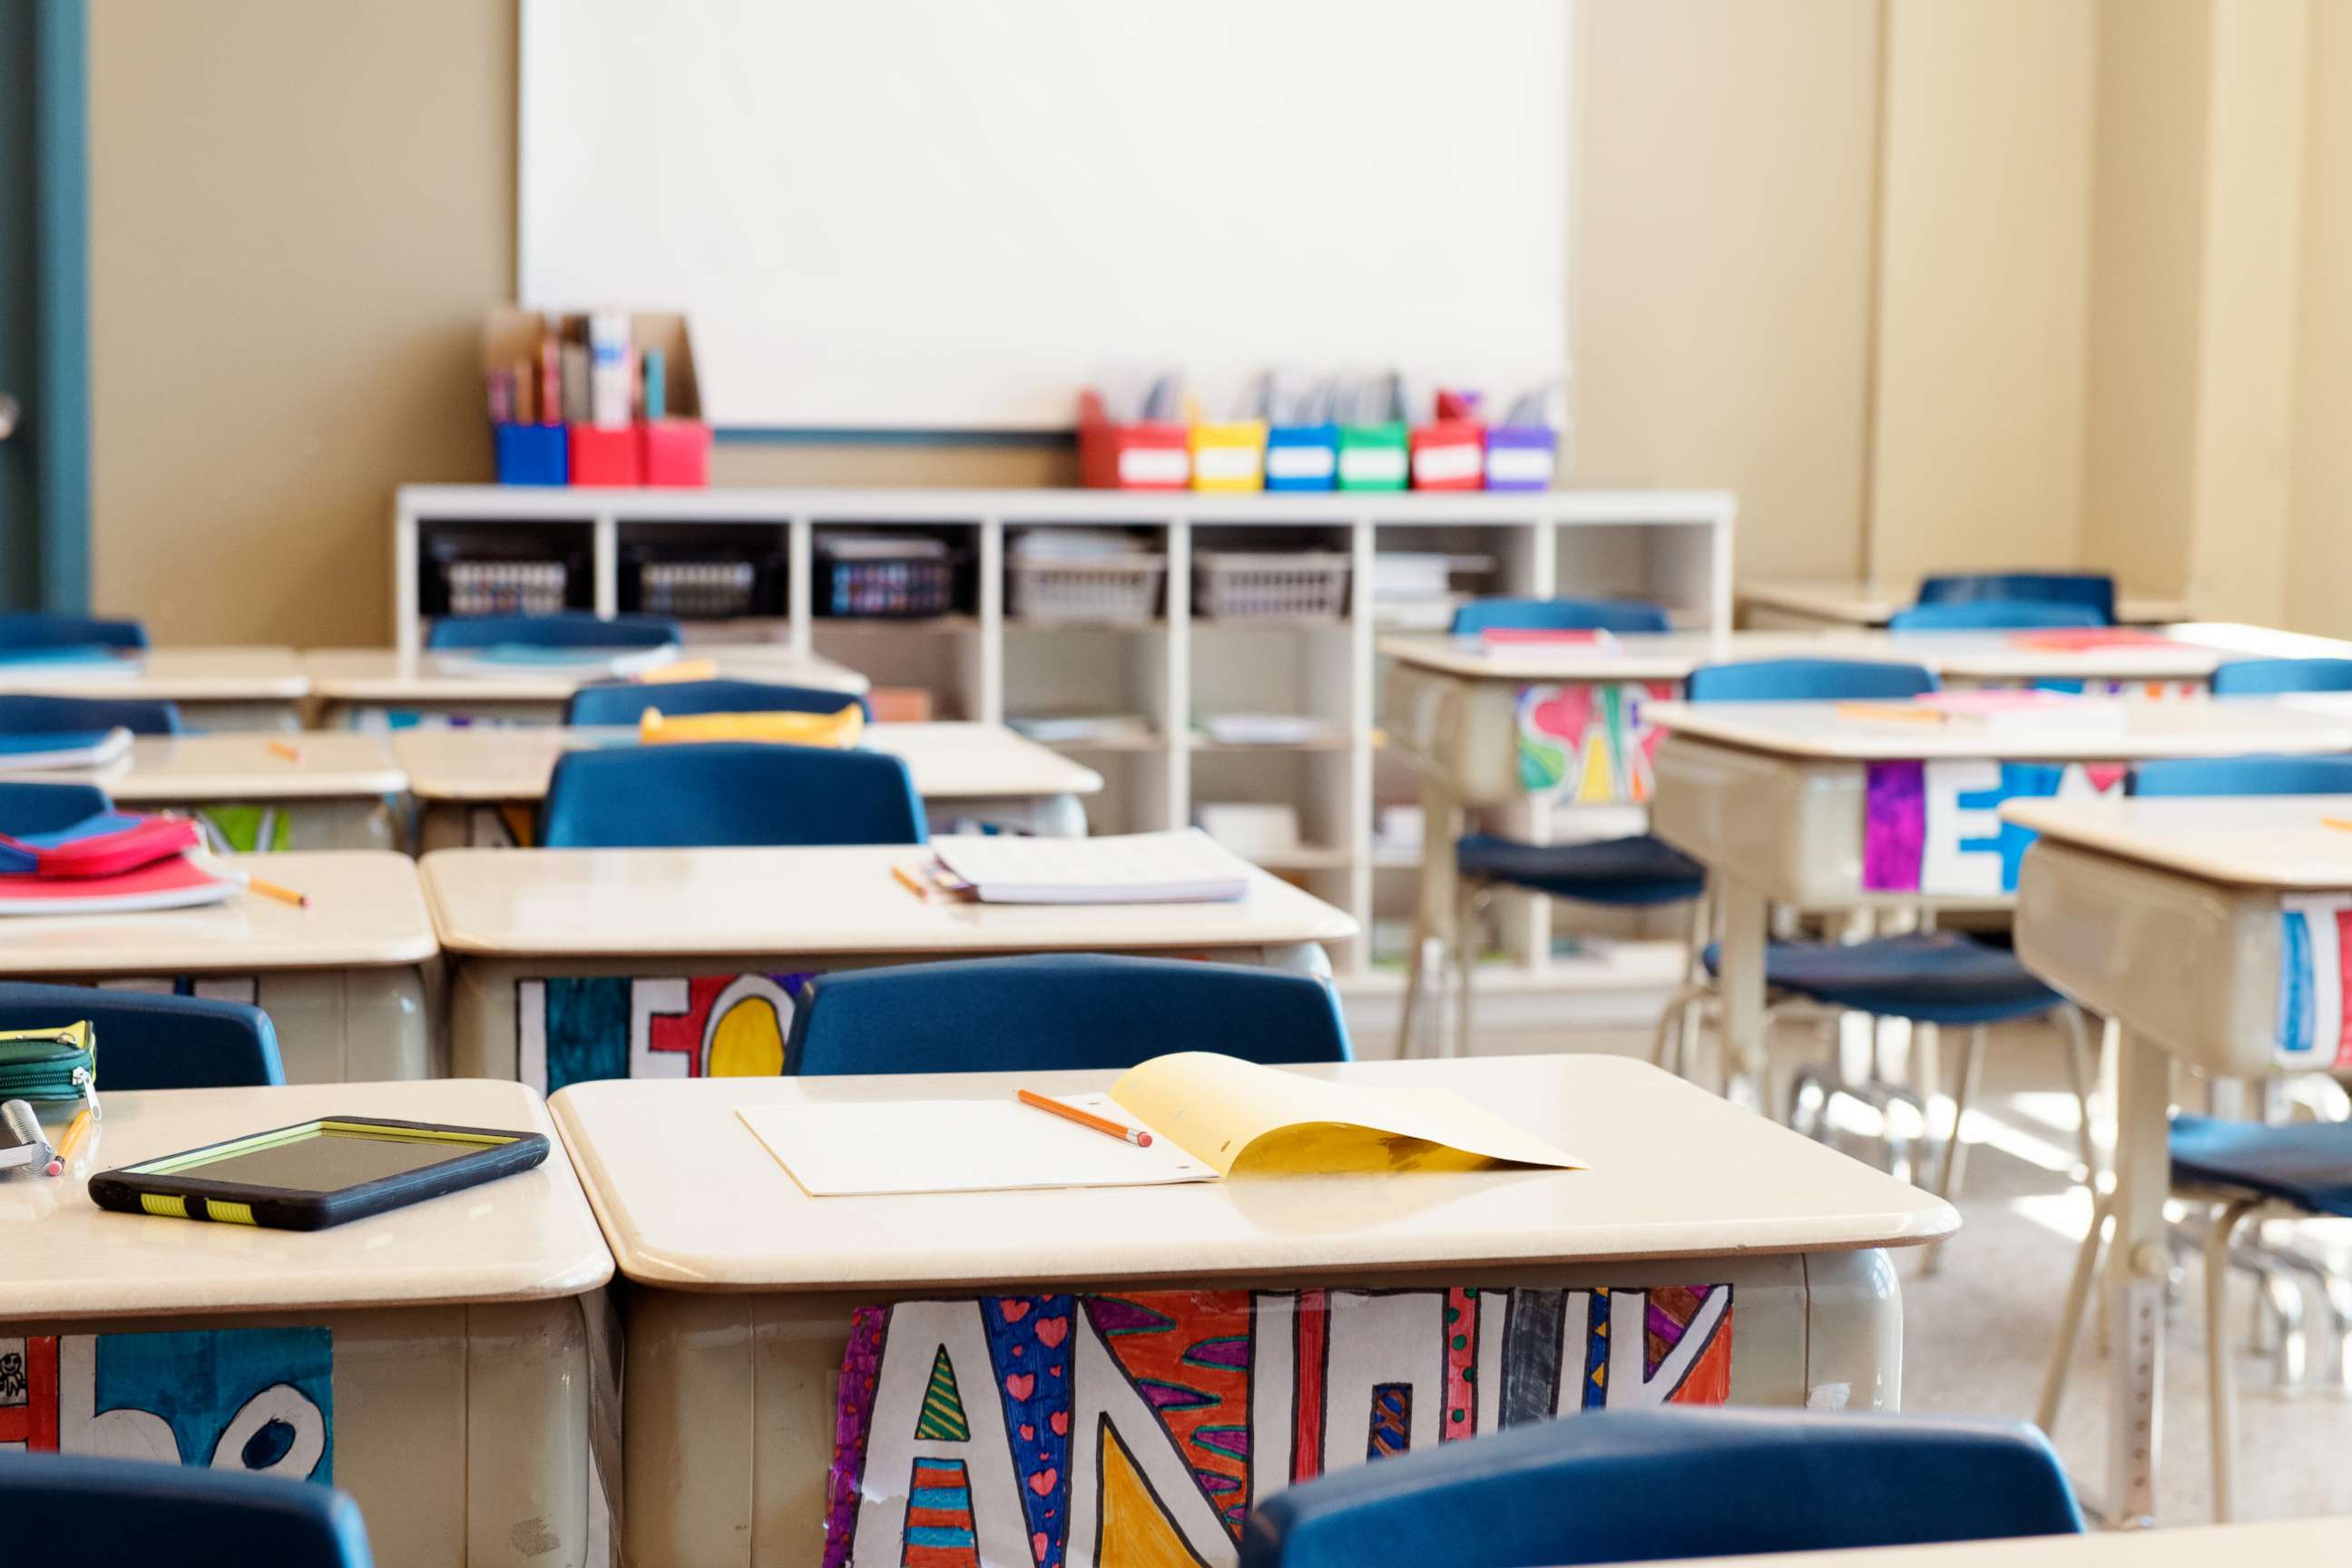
[(51, 1064)]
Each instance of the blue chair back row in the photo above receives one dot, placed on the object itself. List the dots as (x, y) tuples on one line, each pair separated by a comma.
[(147, 1041), (727, 793), (1994, 615), (2258, 774), (569, 628), (26, 808), (24, 714), (1557, 616), (1807, 680), (2264, 676), (134, 1513), (33, 631), (623, 701), (2093, 590)]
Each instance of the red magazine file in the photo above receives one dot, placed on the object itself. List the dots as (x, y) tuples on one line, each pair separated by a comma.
[(1449, 455), (1149, 456)]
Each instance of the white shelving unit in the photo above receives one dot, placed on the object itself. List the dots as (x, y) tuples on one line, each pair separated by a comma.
[(1672, 546)]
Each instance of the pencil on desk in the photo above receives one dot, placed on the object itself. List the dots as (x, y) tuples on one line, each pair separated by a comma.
[(291, 752), (252, 883), (1126, 1134), (909, 880), (2343, 824), (69, 1143)]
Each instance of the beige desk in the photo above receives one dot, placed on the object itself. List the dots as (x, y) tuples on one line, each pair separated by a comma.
[(2281, 1542), (1834, 603), (1802, 805), (1424, 1293), (965, 773), (216, 688), (335, 795), (345, 980), (433, 1361), (374, 689), (2209, 929), (577, 963)]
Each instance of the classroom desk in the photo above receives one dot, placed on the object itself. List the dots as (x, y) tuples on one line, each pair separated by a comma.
[(375, 689), (1830, 602), (1810, 806), (334, 794), (216, 688), (345, 980), (2209, 929), (572, 964), (433, 1361), (964, 772), (1414, 1293), (2279, 1541)]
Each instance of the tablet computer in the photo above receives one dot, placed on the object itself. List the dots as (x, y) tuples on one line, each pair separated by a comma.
[(317, 1173)]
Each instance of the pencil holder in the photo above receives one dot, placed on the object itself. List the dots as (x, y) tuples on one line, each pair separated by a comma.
[(607, 456), (1302, 457), (1146, 456), (1372, 456), (1521, 457), (1449, 455), (674, 452), (530, 454), (1229, 455)]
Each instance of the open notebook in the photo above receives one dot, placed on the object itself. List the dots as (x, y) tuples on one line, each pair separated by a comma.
[(1210, 1116)]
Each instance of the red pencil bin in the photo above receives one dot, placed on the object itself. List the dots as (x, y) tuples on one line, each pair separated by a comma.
[(1146, 456), (1449, 455)]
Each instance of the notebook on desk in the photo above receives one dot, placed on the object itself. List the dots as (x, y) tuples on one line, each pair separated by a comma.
[(1210, 1116), (530, 659), (46, 751), (1185, 866)]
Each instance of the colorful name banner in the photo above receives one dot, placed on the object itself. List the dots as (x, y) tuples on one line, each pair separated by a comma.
[(1935, 827), (227, 1399), (574, 1028), (2314, 1014), (1076, 1431), (1589, 743)]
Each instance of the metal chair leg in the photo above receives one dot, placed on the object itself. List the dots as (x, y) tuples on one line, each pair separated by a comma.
[(2082, 1072), (2222, 1389), (1693, 981), (1465, 964), (1416, 967), (1956, 1148), (2070, 1316)]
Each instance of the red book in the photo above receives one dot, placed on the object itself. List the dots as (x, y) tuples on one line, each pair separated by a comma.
[(1584, 638), (179, 882), (104, 846)]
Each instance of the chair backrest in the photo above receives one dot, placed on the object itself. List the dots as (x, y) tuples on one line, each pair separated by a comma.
[(134, 1513), (39, 629), (2256, 677), (1557, 616), (1806, 681), (46, 807), (2259, 774), (1994, 615), (2095, 590), (1641, 1486), (569, 628), (24, 714), (147, 1041), (622, 701), (728, 793), (1063, 1010)]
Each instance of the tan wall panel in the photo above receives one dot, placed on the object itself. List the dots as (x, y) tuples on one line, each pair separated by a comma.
[(2320, 535), (1722, 265), (2148, 216), (1984, 262)]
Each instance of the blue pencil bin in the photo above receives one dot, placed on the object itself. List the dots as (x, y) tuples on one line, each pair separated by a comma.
[(1302, 457), (531, 454)]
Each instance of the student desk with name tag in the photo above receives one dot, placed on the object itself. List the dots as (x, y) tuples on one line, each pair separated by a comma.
[(1060, 1368), (216, 688), (432, 1361), (345, 981), (568, 965), (477, 785), (375, 689), (2211, 930)]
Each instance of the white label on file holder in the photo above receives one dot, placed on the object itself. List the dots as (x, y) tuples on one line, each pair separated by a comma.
[(1371, 465), (1154, 466), (1225, 462), (1519, 464), (1442, 465), (1312, 462)]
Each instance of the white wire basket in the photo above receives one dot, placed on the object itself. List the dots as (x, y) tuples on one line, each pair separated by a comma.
[(1113, 590), (1261, 585)]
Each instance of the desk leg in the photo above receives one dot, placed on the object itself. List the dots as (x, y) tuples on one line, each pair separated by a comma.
[(443, 825), (2136, 1275), (1741, 980), (1308, 958), (1434, 904), (350, 1026), (1853, 1331)]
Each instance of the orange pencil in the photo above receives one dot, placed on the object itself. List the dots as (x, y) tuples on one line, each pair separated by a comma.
[(912, 883), (1120, 1131), (2336, 822), (69, 1143), (290, 752), (272, 890)]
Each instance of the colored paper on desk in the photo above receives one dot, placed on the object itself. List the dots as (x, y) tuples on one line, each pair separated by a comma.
[(1236, 1116), (179, 882), (1549, 637), (42, 750), (2068, 639), (105, 844), (836, 732)]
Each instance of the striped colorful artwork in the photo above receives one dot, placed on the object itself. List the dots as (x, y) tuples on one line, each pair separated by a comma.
[(1589, 743), (1135, 1430), (2314, 1013)]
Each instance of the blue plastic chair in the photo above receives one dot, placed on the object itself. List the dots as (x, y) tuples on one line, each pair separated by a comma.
[(30, 630), (1808, 680), (147, 1041), (2095, 590), (727, 794), (1557, 616), (24, 714), (1621, 1486), (1994, 616), (569, 628), (623, 701), (47, 807), (1063, 1010), (2263, 677), (70, 1509), (2257, 774)]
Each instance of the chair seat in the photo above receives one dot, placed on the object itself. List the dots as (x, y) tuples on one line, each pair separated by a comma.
[(2304, 1163), (1929, 977), (1636, 870)]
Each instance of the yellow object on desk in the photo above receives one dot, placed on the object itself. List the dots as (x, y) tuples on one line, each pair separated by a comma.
[(838, 731)]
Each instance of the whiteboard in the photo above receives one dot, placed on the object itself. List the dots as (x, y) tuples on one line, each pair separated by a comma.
[(950, 215)]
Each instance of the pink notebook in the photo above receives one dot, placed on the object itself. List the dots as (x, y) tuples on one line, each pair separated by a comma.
[(175, 883), (1588, 638)]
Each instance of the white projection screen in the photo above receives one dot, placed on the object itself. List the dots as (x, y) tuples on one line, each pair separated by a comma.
[(950, 214)]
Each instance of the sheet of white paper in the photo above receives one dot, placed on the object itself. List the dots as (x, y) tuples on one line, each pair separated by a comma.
[(864, 1147)]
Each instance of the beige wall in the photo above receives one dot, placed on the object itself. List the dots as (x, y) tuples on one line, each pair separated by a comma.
[(2320, 525)]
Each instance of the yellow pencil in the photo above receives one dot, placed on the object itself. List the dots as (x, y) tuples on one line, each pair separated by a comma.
[(272, 890), (2336, 822), (910, 882), (69, 1143), (292, 753)]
